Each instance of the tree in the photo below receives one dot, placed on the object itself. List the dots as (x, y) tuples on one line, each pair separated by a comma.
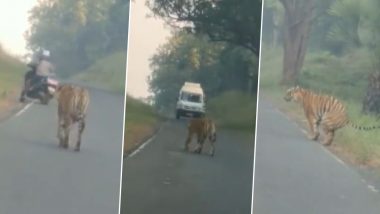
[(272, 22), (344, 32), (185, 57), (117, 28), (298, 18), (78, 32), (371, 101), (237, 22)]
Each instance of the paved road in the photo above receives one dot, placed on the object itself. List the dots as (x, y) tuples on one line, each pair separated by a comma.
[(36, 177), (296, 176), (162, 179)]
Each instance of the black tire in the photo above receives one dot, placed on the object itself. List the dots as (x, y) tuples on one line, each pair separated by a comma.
[(177, 115), (45, 100)]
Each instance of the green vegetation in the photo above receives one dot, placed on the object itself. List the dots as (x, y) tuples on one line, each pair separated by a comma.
[(107, 73), (217, 45), (219, 67), (11, 79), (234, 110), (236, 22), (140, 121), (78, 33), (11, 74)]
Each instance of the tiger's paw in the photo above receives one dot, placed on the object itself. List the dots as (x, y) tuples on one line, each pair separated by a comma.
[(313, 137), (327, 143), (198, 150)]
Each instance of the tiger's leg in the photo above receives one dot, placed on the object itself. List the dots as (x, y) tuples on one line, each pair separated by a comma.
[(66, 132), (200, 140), (212, 150), (63, 130), (60, 131), (81, 127), (61, 136), (329, 135), (188, 139), (64, 138), (313, 125)]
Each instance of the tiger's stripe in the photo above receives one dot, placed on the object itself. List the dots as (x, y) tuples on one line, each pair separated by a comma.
[(73, 102), (322, 110)]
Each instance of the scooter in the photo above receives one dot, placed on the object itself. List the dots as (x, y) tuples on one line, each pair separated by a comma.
[(42, 88)]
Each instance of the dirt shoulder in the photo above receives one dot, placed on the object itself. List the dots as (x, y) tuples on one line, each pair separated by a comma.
[(137, 134), (9, 104)]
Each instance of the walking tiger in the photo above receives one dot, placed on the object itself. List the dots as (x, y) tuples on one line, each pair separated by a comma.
[(204, 128), (72, 108)]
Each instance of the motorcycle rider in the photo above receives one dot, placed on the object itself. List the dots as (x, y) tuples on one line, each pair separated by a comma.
[(41, 69)]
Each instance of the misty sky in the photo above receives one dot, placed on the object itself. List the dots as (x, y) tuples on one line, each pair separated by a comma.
[(146, 34), (13, 24)]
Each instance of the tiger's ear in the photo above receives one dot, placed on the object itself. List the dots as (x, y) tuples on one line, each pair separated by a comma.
[(57, 90), (59, 87)]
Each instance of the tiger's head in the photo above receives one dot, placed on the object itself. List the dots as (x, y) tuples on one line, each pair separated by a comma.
[(294, 94)]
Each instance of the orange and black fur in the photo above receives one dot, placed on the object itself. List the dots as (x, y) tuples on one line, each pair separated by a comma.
[(322, 110), (204, 128), (72, 108)]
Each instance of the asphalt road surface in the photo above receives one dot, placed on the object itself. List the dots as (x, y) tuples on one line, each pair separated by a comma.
[(296, 176), (163, 179), (37, 177)]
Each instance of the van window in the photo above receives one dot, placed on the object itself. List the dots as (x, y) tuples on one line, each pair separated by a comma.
[(195, 98)]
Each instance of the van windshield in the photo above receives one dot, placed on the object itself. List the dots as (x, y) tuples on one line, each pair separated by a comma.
[(195, 98)]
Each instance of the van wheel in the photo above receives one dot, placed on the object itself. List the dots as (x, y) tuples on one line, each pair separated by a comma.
[(177, 116)]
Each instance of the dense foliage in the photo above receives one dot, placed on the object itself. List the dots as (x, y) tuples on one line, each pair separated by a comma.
[(217, 66), (78, 32), (237, 22)]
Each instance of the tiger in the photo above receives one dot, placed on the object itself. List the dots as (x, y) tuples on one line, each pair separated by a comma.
[(204, 128), (73, 102), (322, 110)]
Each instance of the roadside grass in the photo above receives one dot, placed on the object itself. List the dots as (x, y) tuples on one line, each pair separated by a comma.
[(344, 77), (107, 73), (234, 110), (11, 77), (11, 73), (141, 121)]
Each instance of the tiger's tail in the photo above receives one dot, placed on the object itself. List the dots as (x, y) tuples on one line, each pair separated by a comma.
[(365, 128)]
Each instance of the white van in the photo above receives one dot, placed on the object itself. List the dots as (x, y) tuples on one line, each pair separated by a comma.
[(191, 100)]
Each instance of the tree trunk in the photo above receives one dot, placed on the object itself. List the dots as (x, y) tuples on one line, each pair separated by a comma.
[(371, 102), (297, 26), (275, 38)]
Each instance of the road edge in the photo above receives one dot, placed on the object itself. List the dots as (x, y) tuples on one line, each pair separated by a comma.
[(370, 180), (13, 111), (142, 143)]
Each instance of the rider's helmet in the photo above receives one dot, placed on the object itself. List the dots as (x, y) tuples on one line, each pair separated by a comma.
[(45, 54)]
